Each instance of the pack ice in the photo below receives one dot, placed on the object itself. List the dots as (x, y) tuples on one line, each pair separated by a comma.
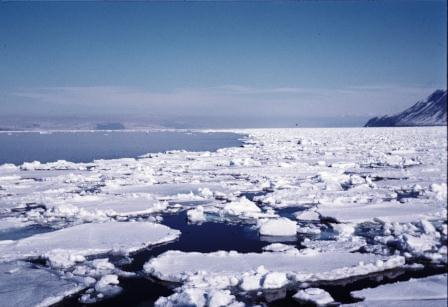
[(350, 202), (427, 291)]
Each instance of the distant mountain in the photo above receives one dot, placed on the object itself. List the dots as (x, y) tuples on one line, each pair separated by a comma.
[(431, 112), (110, 126)]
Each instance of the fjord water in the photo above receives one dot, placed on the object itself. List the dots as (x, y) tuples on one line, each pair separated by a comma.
[(86, 146)]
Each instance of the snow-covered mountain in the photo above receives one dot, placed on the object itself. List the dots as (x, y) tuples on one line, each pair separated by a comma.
[(429, 112)]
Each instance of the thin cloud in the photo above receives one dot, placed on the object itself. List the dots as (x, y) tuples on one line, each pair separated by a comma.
[(227, 100)]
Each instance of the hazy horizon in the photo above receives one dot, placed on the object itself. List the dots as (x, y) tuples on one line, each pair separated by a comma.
[(219, 64)]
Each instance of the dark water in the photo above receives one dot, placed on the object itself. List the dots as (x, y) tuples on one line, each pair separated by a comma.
[(22, 147), (21, 233)]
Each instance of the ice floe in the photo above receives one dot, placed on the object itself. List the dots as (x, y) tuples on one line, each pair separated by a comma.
[(24, 284), (178, 266), (286, 267), (278, 227), (88, 239), (315, 296), (427, 291)]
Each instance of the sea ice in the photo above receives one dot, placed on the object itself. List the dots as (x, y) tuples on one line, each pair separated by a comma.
[(89, 239), (428, 291), (381, 191), (199, 297), (242, 207), (196, 215), (315, 296), (385, 211), (24, 284), (278, 227), (176, 266)]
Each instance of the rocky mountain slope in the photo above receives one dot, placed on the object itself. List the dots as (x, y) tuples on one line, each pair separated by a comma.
[(429, 112)]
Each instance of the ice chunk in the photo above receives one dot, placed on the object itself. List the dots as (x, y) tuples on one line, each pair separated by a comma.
[(385, 211), (108, 285), (342, 244), (315, 296), (281, 248), (427, 227), (123, 205), (196, 215), (219, 298), (440, 190), (23, 284), (241, 207), (428, 291), (199, 297), (275, 280), (177, 266), (343, 230), (89, 239), (251, 282), (278, 227), (307, 215)]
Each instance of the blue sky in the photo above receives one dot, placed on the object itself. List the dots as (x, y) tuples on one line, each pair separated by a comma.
[(196, 59)]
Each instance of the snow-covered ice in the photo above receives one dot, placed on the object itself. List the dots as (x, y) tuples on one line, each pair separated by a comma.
[(260, 271), (315, 296), (89, 239), (23, 284), (278, 227), (358, 200), (385, 211), (428, 291), (176, 266)]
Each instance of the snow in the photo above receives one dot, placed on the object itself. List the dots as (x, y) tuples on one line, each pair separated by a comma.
[(428, 290), (89, 239)]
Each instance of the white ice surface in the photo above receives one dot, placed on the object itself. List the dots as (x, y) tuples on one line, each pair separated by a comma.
[(22, 284), (89, 239), (386, 211), (178, 266), (391, 179), (315, 296), (278, 227), (428, 291)]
